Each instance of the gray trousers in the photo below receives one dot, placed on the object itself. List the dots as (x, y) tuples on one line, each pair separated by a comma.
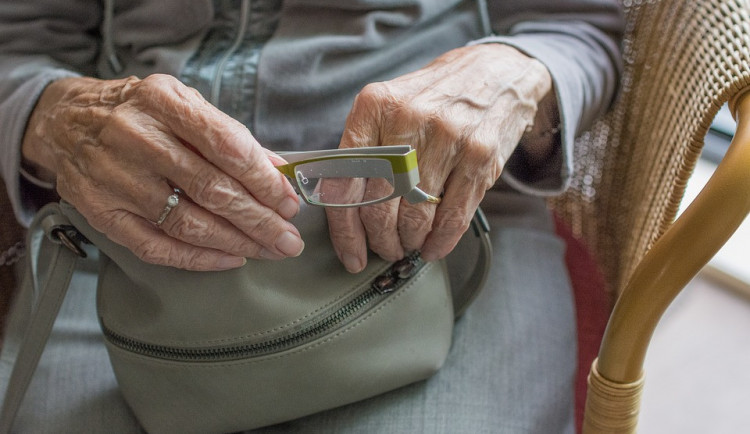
[(510, 370)]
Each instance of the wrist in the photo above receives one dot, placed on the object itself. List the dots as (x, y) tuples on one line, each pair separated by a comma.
[(531, 83), (58, 113), (540, 137), (37, 161)]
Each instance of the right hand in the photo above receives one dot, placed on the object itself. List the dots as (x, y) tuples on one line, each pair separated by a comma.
[(117, 148)]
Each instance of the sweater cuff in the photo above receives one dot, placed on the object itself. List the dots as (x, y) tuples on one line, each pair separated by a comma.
[(14, 116), (553, 177)]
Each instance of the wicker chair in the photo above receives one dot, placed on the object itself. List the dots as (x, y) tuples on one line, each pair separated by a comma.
[(683, 61)]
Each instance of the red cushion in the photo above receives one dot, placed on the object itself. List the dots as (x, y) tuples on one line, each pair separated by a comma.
[(593, 306)]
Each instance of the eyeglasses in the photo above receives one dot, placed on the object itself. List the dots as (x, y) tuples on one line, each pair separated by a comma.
[(355, 176)]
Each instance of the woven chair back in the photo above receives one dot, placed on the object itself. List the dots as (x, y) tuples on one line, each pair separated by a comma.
[(682, 61)]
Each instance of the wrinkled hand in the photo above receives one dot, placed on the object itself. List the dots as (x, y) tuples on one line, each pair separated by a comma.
[(117, 149), (465, 114)]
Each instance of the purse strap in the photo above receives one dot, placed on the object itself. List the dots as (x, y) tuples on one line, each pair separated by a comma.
[(463, 297), (49, 231), (52, 233)]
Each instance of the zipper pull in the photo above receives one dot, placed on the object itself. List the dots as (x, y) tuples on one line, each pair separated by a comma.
[(400, 270)]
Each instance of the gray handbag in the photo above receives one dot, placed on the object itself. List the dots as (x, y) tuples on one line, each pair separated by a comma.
[(213, 352)]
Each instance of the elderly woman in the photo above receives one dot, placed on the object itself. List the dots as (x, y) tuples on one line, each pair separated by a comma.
[(115, 105)]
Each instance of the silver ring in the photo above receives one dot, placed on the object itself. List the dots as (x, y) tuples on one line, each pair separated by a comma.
[(172, 201)]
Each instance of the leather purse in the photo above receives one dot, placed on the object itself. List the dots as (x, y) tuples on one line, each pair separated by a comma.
[(204, 352)]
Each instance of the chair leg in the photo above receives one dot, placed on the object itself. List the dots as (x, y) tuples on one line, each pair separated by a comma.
[(611, 408)]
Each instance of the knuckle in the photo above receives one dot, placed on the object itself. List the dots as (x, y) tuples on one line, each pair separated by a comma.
[(226, 142), (439, 124), (344, 238), (162, 155), (160, 253), (415, 219), (153, 251), (144, 90), (215, 193), (377, 216), (128, 86), (189, 228), (339, 221), (452, 220), (342, 226), (262, 228), (158, 91), (159, 81), (264, 185), (192, 261), (242, 158), (243, 246), (373, 93), (370, 101), (380, 225)]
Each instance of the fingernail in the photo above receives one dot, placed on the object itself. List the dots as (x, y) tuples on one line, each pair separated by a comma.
[(229, 262), (267, 254), (289, 208), (289, 244), (351, 263)]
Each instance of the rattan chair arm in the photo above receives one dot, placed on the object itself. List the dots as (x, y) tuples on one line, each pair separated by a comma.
[(701, 230)]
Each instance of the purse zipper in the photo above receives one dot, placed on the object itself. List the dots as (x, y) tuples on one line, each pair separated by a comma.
[(382, 286)]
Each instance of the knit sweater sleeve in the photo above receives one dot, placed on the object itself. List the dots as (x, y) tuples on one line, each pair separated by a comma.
[(579, 42), (40, 41)]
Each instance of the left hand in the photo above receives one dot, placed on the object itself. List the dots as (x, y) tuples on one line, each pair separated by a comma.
[(464, 113)]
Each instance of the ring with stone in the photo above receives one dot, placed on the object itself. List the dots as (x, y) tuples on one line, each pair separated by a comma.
[(172, 201)]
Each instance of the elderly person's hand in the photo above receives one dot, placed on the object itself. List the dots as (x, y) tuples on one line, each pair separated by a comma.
[(465, 114), (118, 148)]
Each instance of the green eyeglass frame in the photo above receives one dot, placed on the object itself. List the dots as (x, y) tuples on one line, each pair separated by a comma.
[(392, 169)]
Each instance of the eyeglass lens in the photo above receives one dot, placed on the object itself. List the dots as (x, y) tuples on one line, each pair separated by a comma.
[(345, 181)]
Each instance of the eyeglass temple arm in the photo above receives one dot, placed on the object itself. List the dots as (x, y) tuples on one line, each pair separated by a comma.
[(295, 156)]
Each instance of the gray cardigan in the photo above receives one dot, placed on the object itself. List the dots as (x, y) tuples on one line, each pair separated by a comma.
[(321, 55)]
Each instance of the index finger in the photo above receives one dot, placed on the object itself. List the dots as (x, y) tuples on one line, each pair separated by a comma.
[(224, 142)]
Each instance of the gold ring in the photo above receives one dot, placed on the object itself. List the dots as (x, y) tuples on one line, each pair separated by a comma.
[(433, 199)]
